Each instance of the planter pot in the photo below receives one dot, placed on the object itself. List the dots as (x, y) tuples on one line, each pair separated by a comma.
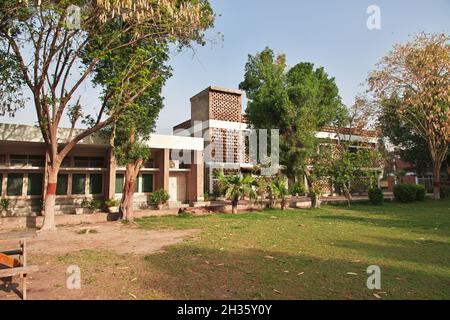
[(113, 209), (4, 213), (83, 211), (160, 206)]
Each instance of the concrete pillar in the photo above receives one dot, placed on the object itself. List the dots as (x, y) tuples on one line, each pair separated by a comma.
[(110, 179), (195, 178), (162, 162)]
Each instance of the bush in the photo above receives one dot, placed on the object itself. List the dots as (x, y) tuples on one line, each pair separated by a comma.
[(112, 203), (376, 196), (297, 188), (421, 192), (445, 192), (206, 196), (92, 204), (405, 192), (4, 204), (409, 192), (158, 197)]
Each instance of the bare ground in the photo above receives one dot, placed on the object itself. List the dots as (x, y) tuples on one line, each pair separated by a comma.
[(110, 256)]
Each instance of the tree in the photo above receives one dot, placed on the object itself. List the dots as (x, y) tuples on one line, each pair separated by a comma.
[(235, 187), (298, 102), (64, 56), (418, 74), (129, 133)]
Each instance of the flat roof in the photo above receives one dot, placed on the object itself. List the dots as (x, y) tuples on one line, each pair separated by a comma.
[(219, 89), (30, 133)]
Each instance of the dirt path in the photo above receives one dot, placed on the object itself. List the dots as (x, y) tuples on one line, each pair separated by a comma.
[(118, 250)]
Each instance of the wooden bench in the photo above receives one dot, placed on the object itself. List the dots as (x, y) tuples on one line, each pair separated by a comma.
[(14, 262)]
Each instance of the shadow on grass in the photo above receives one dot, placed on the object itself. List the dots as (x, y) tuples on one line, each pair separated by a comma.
[(192, 272)]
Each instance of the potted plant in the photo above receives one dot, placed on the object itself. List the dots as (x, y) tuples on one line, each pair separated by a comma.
[(112, 205), (158, 198), (4, 207), (84, 206)]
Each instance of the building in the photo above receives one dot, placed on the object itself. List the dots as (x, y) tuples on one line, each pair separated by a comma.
[(89, 171), (216, 115)]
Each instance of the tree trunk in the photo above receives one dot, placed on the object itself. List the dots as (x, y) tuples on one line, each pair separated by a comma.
[(283, 204), (126, 207), (315, 201), (437, 180), (49, 199), (234, 205)]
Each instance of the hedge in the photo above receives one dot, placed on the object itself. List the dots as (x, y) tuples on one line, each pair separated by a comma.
[(409, 192), (376, 196)]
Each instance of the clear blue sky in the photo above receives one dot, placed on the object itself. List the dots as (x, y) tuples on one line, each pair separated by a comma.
[(332, 34)]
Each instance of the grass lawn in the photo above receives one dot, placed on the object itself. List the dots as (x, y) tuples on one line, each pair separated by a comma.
[(303, 254)]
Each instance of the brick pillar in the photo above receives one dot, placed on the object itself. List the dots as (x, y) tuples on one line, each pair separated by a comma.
[(110, 188), (162, 162), (196, 178)]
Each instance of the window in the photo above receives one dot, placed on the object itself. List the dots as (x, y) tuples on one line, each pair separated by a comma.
[(147, 183), (27, 160), (14, 184), (89, 162), (78, 184), (1, 183), (120, 182), (34, 186), (120, 179), (18, 160), (96, 184), (2, 159), (62, 184)]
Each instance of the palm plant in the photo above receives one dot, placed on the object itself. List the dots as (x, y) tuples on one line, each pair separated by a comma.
[(280, 191), (235, 187)]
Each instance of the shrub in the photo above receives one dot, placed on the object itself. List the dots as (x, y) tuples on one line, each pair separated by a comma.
[(4, 204), (112, 203), (421, 192), (409, 192), (296, 188), (445, 192), (158, 197), (376, 196), (92, 204), (206, 196)]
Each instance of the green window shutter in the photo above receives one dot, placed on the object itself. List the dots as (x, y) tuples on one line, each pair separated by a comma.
[(62, 184), (96, 184), (34, 186), (120, 178), (1, 183), (147, 183), (136, 186), (14, 184), (78, 183)]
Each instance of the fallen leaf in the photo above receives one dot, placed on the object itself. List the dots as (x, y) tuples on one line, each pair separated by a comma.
[(269, 257), (132, 295), (352, 273), (376, 296), (286, 271), (221, 264), (299, 274), (134, 279)]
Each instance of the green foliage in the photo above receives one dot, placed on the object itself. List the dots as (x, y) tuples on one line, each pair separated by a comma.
[(91, 204), (158, 197), (297, 102), (206, 196), (297, 188), (409, 192), (112, 203), (4, 204), (376, 196), (445, 192), (235, 187), (421, 192)]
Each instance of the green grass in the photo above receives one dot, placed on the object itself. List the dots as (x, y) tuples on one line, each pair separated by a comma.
[(307, 254)]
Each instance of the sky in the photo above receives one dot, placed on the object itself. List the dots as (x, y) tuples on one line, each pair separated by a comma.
[(330, 34)]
